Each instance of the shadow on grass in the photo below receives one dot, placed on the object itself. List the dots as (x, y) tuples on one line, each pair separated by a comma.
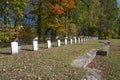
[(54, 46), (6, 53), (62, 43), (43, 47), (27, 49)]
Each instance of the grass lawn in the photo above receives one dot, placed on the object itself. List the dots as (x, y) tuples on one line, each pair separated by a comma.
[(46, 64), (109, 65)]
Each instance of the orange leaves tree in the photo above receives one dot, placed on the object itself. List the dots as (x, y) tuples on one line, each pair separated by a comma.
[(57, 9), (8, 35), (68, 3), (51, 16), (60, 8)]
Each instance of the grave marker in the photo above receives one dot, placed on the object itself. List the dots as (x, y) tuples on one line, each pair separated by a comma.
[(71, 41), (65, 40), (35, 43), (78, 39), (48, 39), (48, 43), (14, 47), (58, 43), (75, 40)]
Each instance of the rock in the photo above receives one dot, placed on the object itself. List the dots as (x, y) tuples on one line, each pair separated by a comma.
[(83, 61)]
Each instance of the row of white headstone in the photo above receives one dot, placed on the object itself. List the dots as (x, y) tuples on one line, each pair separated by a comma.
[(15, 48)]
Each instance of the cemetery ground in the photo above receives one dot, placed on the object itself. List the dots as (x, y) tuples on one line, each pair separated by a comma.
[(54, 63), (110, 65)]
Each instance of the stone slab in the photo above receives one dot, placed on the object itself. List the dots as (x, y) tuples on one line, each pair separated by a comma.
[(35, 45), (14, 47)]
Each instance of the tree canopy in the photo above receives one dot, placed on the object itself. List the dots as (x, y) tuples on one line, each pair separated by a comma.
[(62, 17)]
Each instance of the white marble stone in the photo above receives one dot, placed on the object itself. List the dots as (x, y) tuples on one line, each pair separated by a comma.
[(58, 43), (48, 43), (14, 47), (75, 40), (78, 40), (71, 41), (83, 39), (65, 41), (35, 45)]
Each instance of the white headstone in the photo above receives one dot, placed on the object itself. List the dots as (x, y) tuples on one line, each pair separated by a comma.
[(14, 47), (71, 41), (48, 43), (65, 41), (35, 45), (58, 43), (78, 40), (75, 40)]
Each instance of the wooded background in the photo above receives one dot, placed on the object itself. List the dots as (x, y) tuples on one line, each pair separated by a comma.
[(27, 18)]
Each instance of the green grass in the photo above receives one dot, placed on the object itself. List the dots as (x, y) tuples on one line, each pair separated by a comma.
[(110, 65), (112, 62), (44, 64)]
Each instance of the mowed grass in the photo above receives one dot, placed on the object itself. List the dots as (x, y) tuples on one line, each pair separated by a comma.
[(44, 64), (110, 65)]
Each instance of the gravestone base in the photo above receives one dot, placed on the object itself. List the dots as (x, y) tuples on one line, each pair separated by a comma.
[(65, 41), (35, 45), (58, 43), (78, 40), (48, 43), (14, 47), (70, 41)]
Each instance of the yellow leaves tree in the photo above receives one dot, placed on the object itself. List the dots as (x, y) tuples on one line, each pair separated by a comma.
[(57, 9), (60, 8), (26, 34), (8, 35), (68, 3), (57, 24), (72, 29)]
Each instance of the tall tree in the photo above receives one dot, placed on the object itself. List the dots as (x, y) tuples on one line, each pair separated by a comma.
[(12, 10), (50, 15), (108, 24)]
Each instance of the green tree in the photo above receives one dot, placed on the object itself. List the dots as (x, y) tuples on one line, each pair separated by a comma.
[(12, 10), (108, 27)]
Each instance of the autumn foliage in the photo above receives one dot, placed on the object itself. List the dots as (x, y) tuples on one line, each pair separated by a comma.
[(57, 9), (60, 5), (69, 3)]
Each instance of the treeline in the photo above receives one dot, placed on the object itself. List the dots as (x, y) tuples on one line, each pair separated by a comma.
[(28, 18)]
